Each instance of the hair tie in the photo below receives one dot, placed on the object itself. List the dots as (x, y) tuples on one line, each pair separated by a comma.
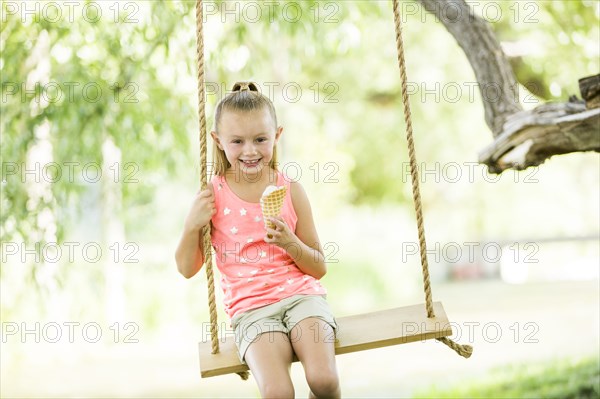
[(245, 86)]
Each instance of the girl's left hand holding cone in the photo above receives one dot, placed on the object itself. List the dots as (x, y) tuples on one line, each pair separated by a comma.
[(281, 236)]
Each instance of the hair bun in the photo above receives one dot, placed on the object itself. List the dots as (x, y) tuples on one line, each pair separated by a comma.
[(245, 86)]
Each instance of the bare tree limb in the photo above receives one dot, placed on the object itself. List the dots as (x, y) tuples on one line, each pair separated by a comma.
[(531, 137)]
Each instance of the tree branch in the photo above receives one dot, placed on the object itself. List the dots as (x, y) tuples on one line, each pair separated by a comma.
[(531, 137)]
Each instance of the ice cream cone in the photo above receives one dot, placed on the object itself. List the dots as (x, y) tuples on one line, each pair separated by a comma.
[(271, 203)]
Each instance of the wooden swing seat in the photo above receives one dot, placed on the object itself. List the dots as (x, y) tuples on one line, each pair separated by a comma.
[(355, 333)]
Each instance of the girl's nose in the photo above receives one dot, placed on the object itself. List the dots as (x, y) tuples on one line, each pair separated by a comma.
[(249, 149)]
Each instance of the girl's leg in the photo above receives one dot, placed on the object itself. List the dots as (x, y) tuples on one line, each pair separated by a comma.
[(269, 359), (313, 342)]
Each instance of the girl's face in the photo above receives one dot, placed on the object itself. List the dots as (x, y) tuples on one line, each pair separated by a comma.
[(248, 139)]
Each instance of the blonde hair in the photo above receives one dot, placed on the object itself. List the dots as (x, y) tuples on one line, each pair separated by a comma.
[(244, 97)]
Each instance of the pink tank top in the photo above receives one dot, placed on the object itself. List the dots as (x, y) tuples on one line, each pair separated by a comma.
[(253, 272)]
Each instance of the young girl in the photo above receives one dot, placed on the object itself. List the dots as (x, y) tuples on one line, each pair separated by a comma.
[(270, 277)]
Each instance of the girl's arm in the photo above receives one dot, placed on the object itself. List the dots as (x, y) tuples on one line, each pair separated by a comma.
[(302, 245), (190, 251)]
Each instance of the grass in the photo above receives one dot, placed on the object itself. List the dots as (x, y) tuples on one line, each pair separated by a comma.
[(563, 379)]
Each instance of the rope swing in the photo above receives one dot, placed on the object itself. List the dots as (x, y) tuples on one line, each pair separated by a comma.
[(359, 332)]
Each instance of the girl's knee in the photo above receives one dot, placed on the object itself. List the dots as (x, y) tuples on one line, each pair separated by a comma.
[(324, 384), (277, 390)]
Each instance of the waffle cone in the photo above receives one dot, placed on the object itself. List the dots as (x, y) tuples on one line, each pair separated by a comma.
[(271, 205)]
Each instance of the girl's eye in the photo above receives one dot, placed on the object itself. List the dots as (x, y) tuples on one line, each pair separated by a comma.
[(236, 141), (261, 139)]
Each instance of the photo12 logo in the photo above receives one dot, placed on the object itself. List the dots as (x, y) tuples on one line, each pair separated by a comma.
[(455, 172), (69, 11), (455, 252), (474, 331), (326, 173), (69, 331), (290, 92), (518, 11), (453, 92), (72, 172), (271, 11), (68, 251), (69, 92)]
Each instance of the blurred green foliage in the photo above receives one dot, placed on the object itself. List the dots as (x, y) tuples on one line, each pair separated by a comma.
[(564, 379), (88, 81), (347, 125), (543, 31), (342, 54)]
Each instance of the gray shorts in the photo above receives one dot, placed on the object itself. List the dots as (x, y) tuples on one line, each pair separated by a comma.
[(280, 316)]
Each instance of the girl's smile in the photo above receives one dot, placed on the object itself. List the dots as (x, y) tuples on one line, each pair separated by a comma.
[(251, 162)]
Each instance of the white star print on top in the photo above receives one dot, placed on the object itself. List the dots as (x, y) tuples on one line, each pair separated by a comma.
[(255, 273)]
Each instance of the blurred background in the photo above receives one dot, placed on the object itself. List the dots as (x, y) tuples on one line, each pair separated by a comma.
[(100, 162)]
